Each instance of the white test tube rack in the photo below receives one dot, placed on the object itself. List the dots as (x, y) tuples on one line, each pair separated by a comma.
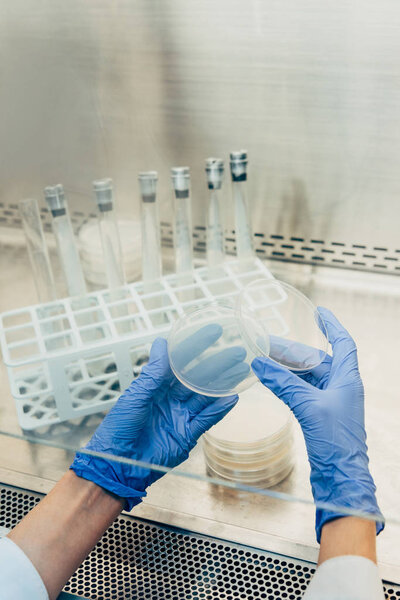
[(65, 361)]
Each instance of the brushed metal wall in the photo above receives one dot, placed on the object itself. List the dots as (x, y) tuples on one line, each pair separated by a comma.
[(111, 87)]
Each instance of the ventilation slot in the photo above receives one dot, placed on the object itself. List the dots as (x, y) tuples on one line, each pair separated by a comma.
[(274, 246)]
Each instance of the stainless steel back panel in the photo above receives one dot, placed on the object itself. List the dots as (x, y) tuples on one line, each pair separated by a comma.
[(311, 89)]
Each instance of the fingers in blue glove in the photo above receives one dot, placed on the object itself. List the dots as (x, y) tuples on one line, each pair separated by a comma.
[(198, 402), (228, 380), (157, 371), (217, 372), (225, 382), (214, 365), (288, 386), (294, 355), (210, 415), (136, 401), (344, 350), (196, 344)]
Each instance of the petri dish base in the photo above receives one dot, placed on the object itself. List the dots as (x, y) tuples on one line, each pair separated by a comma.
[(253, 443)]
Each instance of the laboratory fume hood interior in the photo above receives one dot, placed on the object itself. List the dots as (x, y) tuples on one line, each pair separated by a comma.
[(101, 92)]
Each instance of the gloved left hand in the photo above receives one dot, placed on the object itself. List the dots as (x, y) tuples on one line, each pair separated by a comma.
[(328, 402), (156, 420)]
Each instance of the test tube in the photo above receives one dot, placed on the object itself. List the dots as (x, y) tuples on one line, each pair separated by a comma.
[(183, 220), (66, 244), (151, 251), (244, 245), (110, 241), (215, 232), (37, 250)]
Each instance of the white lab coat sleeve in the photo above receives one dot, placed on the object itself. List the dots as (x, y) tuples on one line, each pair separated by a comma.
[(19, 579), (346, 578)]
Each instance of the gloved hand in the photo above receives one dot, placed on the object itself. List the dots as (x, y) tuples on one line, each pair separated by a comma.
[(156, 420), (328, 402)]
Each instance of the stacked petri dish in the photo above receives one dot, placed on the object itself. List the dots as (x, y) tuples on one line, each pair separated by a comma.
[(253, 444)]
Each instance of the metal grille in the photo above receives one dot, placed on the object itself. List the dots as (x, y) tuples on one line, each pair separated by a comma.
[(334, 253), (147, 561), (301, 250)]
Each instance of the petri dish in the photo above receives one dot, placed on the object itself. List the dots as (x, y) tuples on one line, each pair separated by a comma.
[(259, 415), (211, 348), (253, 443), (261, 479), (207, 350), (297, 333)]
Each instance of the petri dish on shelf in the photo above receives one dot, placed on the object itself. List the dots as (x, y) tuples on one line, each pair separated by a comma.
[(257, 415), (253, 443), (211, 348)]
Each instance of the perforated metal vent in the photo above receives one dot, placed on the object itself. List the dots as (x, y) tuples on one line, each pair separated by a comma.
[(15, 504), (332, 253), (275, 246), (146, 561)]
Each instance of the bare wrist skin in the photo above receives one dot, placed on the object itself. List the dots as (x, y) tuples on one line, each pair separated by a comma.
[(348, 536), (61, 530)]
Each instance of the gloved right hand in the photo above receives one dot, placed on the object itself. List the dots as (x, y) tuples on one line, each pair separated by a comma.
[(328, 402), (157, 420)]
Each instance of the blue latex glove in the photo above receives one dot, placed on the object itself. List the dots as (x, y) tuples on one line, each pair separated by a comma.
[(328, 402), (156, 420)]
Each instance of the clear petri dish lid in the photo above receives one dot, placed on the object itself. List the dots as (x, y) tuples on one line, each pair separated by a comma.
[(207, 351), (297, 337), (211, 348)]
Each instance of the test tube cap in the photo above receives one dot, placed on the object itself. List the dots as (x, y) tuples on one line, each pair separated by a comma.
[(103, 190), (215, 173), (148, 185), (238, 162), (181, 181), (55, 199)]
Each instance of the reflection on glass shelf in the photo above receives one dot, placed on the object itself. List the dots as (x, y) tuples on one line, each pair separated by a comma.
[(192, 469)]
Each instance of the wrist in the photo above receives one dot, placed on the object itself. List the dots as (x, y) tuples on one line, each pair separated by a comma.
[(90, 494), (353, 492), (348, 536), (79, 512), (347, 500), (101, 472)]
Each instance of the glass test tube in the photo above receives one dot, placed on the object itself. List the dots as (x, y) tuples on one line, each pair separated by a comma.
[(183, 220), (215, 231), (112, 255), (151, 250), (110, 240), (66, 244), (37, 250), (244, 245)]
